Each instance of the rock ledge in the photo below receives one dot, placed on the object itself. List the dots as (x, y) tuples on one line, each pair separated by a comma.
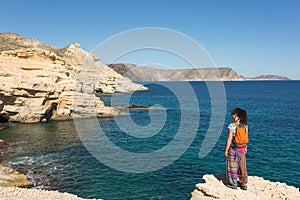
[(258, 188)]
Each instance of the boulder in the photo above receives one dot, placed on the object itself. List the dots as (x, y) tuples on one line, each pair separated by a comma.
[(11, 178)]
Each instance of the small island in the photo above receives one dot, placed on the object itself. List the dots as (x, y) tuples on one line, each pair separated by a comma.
[(269, 77)]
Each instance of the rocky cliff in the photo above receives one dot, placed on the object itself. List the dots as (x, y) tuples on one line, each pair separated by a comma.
[(258, 188), (139, 74), (35, 76)]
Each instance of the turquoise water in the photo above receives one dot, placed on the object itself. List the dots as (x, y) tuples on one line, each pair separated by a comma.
[(55, 158)]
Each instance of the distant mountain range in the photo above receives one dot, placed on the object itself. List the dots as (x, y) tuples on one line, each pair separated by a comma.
[(269, 77), (142, 73), (14, 42)]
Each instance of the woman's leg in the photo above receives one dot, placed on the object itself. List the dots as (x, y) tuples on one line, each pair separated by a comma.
[(243, 176), (232, 167)]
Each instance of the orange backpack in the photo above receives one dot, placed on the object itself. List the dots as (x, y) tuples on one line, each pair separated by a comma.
[(241, 136)]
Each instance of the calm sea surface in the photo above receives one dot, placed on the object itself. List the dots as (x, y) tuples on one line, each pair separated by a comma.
[(54, 157)]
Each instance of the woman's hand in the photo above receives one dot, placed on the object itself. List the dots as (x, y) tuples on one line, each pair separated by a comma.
[(226, 153)]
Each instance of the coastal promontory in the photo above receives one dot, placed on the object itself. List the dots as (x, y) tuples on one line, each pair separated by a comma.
[(35, 76), (143, 73)]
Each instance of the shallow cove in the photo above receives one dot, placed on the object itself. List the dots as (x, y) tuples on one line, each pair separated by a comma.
[(55, 157)]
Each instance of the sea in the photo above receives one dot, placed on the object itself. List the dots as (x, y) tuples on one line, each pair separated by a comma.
[(155, 153)]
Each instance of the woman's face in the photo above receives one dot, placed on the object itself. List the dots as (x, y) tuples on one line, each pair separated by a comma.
[(234, 116)]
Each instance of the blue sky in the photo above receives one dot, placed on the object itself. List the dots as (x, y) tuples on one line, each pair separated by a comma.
[(253, 37)]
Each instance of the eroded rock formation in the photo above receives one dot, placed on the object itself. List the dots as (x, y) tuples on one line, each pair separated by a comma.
[(34, 75)]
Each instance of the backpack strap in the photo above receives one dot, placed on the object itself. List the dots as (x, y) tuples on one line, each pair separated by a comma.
[(233, 144)]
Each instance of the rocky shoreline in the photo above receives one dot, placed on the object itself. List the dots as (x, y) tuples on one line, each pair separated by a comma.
[(258, 188), (35, 76), (12, 178), (9, 193), (14, 185), (39, 82), (213, 188)]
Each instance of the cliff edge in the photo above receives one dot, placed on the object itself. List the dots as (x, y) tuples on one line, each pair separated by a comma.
[(35, 76), (258, 188)]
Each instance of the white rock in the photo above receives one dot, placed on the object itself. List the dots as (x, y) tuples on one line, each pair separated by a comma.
[(33, 78), (258, 188)]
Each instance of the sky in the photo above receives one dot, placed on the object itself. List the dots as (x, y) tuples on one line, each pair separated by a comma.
[(253, 37)]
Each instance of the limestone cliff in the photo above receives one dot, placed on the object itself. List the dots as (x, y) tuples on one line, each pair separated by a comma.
[(258, 188), (139, 73), (34, 75)]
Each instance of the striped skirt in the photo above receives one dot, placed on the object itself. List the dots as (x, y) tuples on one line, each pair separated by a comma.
[(236, 167)]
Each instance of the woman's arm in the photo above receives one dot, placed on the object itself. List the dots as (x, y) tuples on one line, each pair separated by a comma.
[(229, 139)]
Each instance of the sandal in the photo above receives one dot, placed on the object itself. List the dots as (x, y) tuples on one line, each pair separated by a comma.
[(232, 186), (242, 186)]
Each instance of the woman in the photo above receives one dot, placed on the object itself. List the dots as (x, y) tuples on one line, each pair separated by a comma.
[(235, 153)]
